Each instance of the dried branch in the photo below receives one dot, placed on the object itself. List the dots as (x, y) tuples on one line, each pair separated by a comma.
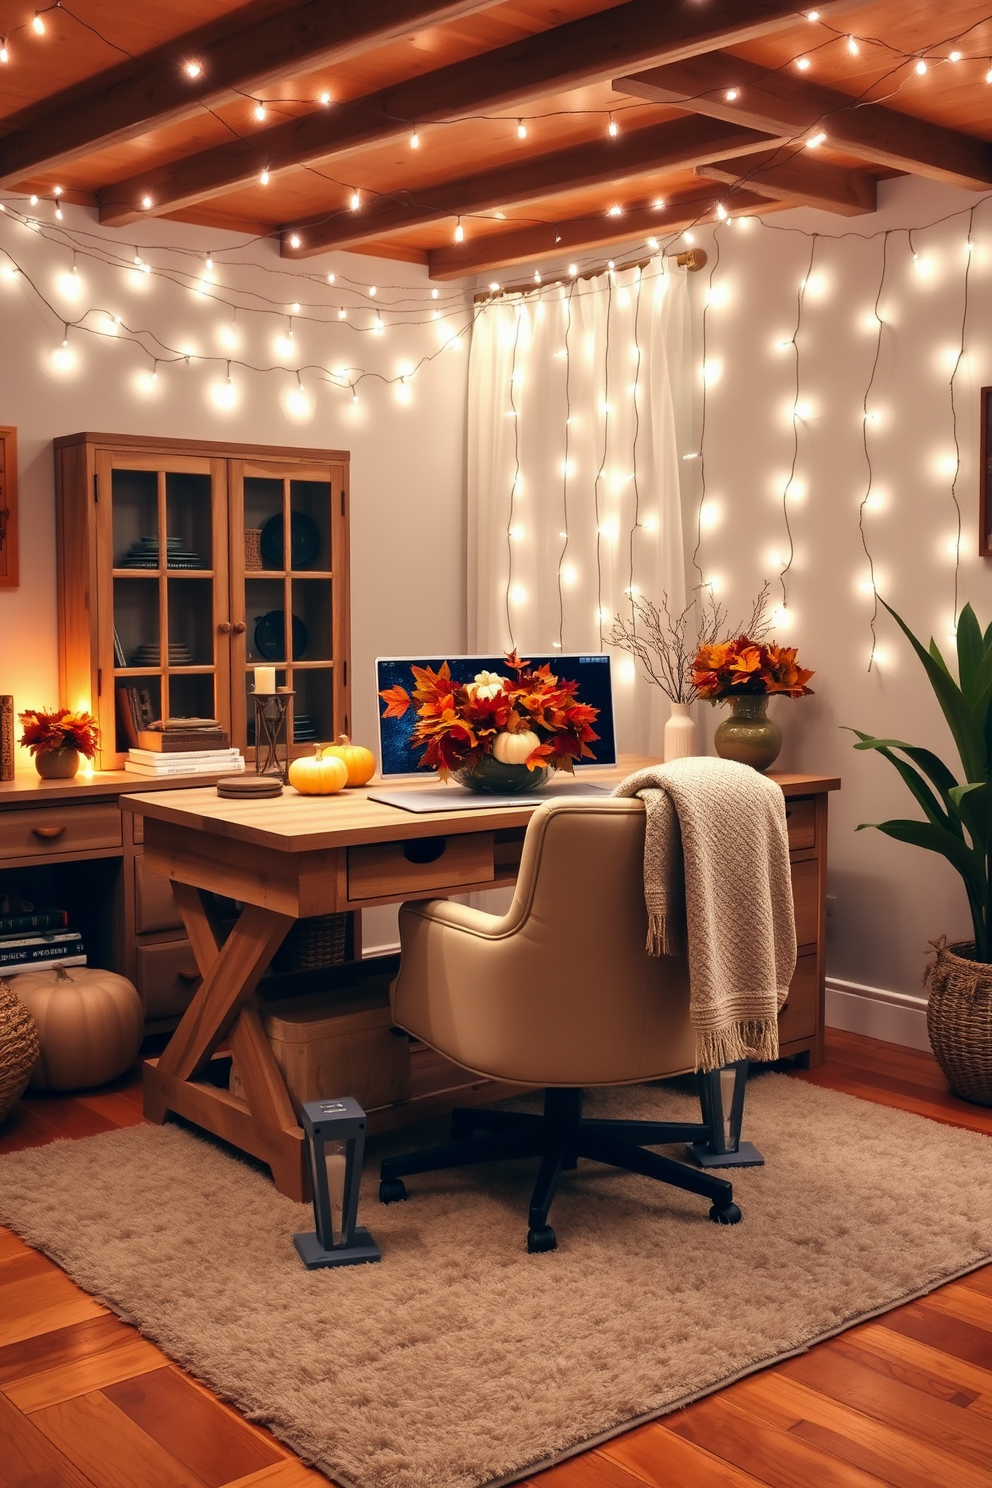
[(665, 644)]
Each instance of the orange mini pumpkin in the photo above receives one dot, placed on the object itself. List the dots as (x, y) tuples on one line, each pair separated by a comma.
[(360, 761), (318, 774)]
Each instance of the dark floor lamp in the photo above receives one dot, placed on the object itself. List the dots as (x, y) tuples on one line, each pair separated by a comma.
[(335, 1133)]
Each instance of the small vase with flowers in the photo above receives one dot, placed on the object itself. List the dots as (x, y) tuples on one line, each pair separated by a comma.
[(56, 738)]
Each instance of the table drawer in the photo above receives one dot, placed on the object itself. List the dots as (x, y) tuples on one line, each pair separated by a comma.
[(797, 1015), (420, 866), (167, 978), (155, 907), (806, 898), (53, 830), (800, 816)]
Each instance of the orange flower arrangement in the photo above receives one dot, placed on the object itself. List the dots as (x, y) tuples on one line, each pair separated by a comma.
[(458, 721), (744, 667), (57, 729)]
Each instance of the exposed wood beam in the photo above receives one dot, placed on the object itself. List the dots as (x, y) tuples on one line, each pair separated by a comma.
[(496, 251), (630, 36), (235, 53), (792, 175), (784, 104), (680, 143)]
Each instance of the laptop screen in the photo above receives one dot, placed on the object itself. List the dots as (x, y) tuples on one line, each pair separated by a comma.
[(592, 673)]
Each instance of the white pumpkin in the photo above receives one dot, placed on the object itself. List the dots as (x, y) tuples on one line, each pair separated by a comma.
[(90, 1024), (486, 685), (514, 749)]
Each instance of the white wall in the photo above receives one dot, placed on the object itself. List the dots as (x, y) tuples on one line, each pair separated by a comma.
[(407, 460), (890, 899)]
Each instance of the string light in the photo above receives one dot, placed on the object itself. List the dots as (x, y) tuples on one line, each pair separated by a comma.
[(803, 64), (325, 99), (615, 211), (373, 291), (263, 179), (732, 95), (459, 232), (294, 240), (192, 68), (613, 128), (4, 50), (355, 201), (521, 129), (852, 47), (815, 140), (921, 67), (415, 141), (38, 24)]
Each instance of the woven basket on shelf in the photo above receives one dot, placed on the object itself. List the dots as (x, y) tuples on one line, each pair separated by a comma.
[(312, 943), (18, 1048), (959, 1019), (253, 547)]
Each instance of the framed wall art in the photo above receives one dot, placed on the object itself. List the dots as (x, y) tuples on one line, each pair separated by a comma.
[(8, 507)]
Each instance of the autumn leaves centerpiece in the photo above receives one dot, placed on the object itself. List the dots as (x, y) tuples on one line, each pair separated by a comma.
[(498, 732)]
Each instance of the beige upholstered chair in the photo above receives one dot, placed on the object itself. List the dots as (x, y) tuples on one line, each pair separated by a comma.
[(561, 993)]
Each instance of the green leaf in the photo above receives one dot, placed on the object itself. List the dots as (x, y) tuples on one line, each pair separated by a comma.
[(971, 653), (968, 862), (974, 806), (970, 740)]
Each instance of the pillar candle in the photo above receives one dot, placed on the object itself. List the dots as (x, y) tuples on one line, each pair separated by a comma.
[(265, 679)]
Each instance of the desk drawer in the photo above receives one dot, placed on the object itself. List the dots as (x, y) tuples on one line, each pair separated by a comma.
[(800, 816), (419, 867), (53, 830), (806, 898), (155, 907), (797, 1015), (167, 978)]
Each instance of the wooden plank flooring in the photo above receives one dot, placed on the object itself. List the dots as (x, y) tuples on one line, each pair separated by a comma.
[(904, 1400)]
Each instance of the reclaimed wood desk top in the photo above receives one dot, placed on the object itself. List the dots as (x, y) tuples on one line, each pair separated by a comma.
[(292, 823)]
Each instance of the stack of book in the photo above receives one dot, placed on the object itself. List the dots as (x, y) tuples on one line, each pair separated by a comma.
[(29, 942), (156, 764)]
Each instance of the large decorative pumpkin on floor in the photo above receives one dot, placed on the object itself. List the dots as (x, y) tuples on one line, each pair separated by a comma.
[(89, 1022)]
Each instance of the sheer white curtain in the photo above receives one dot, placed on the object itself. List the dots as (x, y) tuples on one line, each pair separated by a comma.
[(576, 396)]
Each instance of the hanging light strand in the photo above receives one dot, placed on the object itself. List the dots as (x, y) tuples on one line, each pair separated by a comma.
[(598, 481), (870, 482)]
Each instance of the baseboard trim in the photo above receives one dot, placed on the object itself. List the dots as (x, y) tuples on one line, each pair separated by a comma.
[(896, 1017)]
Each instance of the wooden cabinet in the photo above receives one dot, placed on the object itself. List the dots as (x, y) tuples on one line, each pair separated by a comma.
[(801, 1017), (183, 565)]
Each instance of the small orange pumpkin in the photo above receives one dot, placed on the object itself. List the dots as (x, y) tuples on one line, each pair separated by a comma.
[(359, 760), (90, 1024), (319, 774)]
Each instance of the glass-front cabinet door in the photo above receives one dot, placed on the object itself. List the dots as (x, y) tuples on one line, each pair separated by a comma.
[(164, 611), (289, 588)]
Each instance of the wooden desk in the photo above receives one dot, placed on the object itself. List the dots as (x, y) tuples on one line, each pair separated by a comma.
[(297, 856)]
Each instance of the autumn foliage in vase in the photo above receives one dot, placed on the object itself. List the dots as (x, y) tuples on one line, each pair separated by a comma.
[(743, 667)]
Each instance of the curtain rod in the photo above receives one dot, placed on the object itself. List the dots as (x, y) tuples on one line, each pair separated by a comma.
[(692, 259)]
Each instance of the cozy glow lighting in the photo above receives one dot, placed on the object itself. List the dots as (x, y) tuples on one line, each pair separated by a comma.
[(521, 129), (802, 63), (415, 141), (325, 98), (38, 24), (355, 201), (263, 179), (259, 112), (192, 69), (4, 50)]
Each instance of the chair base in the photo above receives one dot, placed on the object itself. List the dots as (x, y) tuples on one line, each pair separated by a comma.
[(560, 1138), (744, 1155)]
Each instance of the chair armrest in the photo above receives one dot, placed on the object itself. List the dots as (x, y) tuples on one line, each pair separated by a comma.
[(459, 916)]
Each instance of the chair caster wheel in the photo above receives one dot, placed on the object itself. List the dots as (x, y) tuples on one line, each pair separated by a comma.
[(391, 1190), (729, 1214), (541, 1240)]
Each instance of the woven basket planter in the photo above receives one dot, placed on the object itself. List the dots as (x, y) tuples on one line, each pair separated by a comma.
[(18, 1049), (959, 1020), (312, 943)]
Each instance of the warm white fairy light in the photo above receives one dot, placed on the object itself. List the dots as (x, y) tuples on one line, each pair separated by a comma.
[(192, 68), (294, 240), (732, 95), (613, 128), (415, 141), (434, 294), (921, 67), (355, 201), (342, 313), (852, 47), (260, 112), (38, 24), (573, 270), (521, 129), (615, 211), (658, 204), (373, 291), (803, 64), (4, 50), (816, 140), (721, 212), (812, 15), (459, 232)]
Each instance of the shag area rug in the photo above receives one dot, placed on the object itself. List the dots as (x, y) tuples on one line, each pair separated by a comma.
[(462, 1360)]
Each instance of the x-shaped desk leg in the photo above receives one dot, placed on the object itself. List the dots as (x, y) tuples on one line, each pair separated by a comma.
[(231, 970)]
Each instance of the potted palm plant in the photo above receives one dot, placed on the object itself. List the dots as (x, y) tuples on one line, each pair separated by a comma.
[(958, 825)]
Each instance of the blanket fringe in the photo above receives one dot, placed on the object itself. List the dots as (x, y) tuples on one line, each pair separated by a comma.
[(754, 1039), (664, 936)]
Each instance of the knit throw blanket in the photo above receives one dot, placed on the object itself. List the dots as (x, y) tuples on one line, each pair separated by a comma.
[(718, 890)]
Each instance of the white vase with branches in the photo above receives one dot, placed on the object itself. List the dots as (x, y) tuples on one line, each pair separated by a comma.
[(665, 645)]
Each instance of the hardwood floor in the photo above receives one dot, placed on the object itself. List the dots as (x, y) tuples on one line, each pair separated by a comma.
[(904, 1400)]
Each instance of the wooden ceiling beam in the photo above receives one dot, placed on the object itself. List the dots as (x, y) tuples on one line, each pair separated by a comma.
[(792, 175), (679, 143), (631, 36), (233, 54), (784, 104), (497, 251)]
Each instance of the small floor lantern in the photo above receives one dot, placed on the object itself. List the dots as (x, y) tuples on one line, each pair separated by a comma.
[(721, 1095), (335, 1133)]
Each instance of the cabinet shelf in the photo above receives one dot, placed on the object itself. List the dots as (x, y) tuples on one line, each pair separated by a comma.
[(186, 636)]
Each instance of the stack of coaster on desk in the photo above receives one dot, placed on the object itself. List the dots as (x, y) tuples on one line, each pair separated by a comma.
[(250, 787)]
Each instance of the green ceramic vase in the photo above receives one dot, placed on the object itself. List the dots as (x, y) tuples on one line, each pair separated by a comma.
[(57, 764), (493, 778), (749, 735)]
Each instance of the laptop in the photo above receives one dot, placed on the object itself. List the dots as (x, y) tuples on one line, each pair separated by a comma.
[(398, 755)]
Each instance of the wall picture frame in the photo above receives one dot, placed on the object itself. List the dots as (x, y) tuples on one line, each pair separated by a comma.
[(8, 507)]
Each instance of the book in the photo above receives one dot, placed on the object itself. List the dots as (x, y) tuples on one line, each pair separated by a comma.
[(180, 756), (6, 736), (20, 966), (182, 741), (41, 919), (31, 955), (186, 767), (52, 937)]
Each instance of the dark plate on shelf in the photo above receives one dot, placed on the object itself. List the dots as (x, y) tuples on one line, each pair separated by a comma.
[(304, 540), (270, 639)]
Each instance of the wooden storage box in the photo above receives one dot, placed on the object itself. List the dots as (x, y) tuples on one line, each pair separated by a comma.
[(338, 1043)]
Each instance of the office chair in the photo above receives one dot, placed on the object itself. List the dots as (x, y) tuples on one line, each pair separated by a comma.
[(561, 993)]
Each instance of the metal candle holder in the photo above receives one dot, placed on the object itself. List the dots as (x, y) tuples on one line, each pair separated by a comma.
[(335, 1133), (272, 710)]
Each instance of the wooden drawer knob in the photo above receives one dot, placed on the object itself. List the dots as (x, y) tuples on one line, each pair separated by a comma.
[(239, 627), (424, 849), (48, 834), (188, 976)]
